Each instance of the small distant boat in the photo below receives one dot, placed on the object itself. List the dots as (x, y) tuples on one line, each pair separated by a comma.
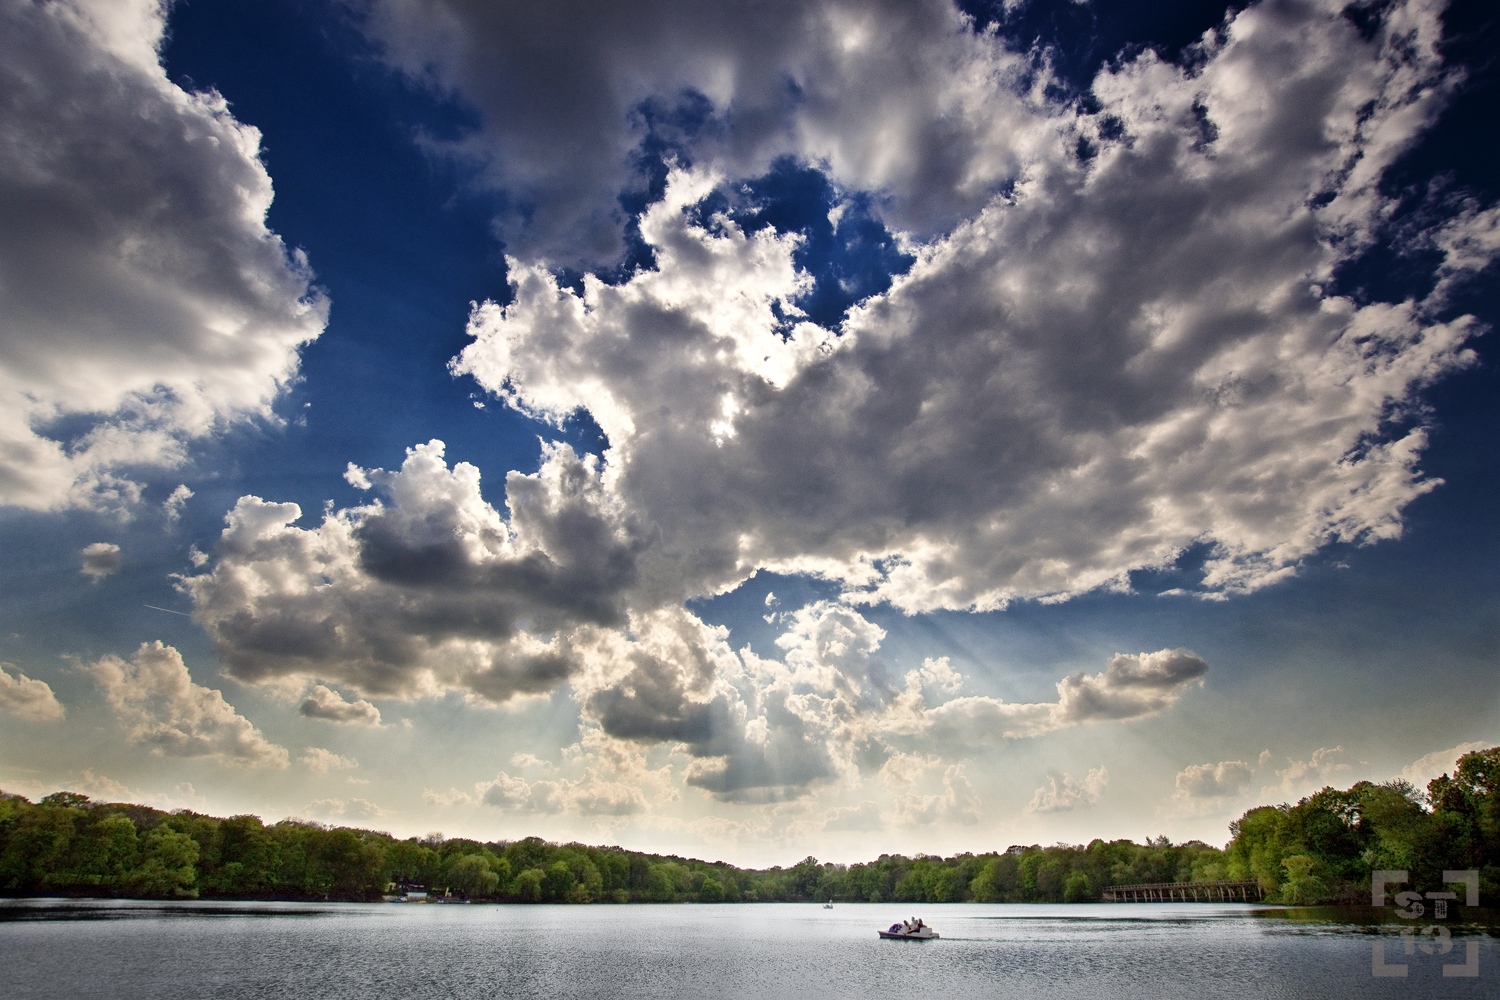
[(910, 930)]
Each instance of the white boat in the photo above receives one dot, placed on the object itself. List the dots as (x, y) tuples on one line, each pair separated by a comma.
[(910, 930)]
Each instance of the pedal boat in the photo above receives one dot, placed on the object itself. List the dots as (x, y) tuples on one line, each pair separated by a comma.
[(910, 930)]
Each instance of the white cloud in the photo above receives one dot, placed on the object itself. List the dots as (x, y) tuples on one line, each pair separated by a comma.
[(1422, 770), (1086, 372), (1229, 777), (175, 716), (902, 770), (323, 703), (452, 797), (591, 796), (1302, 777), (896, 96), (863, 818), (1116, 360), (103, 788), (322, 761), (531, 760), (26, 697), (938, 675), (172, 506), (349, 809), (1053, 797), (100, 559), (425, 593), (140, 289), (955, 804), (1130, 687)]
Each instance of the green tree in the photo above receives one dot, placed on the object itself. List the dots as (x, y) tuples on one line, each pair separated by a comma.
[(39, 837), (658, 886), (1078, 890), (119, 848), (711, 891), (528, 885), (472, 876), (1301, 886), (167, 869)]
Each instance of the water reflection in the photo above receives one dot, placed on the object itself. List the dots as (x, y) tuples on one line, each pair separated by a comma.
[(1377, 919)]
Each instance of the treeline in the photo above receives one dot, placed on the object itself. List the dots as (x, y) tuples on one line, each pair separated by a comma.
[(1320, 850), (1323, 849)]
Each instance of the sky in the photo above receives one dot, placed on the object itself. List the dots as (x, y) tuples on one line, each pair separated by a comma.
[(747, 430)]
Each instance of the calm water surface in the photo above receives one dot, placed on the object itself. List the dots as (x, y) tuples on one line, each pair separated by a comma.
[(115, 948)]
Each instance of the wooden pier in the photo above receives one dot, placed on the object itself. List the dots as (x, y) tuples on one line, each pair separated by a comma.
[(1184, 892)]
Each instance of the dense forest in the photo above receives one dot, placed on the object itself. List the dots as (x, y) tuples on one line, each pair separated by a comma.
[(1320, 850)]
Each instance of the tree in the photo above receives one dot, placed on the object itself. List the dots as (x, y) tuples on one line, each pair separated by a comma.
[(65, 799), (711, 891), (472, 876), (167, 870), (39, 838), (528, 885), (1301, 887), (1078, 890), (657, 887), (119, 847), (559, 882)]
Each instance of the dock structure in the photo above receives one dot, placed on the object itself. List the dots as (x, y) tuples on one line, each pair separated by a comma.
[(1185, 892)]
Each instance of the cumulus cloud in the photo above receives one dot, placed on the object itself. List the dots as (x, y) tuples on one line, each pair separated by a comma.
[(763, 730), (1123, 336), (863, 818), (172, 505), (1422, 770), (145, 302), (956, 803), (1124, 355), (100, 559), (531, 760), (1198, 781), (323, 703), (426, 592), (1130, 687), (355, 809), (322, 761), (591, 796), (26, 697), (1303, 776), (1070, 794), (106, 789), (894, 96), (175, 716)]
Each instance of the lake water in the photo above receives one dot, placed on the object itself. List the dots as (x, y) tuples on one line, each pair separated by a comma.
[(140, 950)]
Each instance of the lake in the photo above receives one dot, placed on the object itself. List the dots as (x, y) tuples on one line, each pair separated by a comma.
[(124, 948)]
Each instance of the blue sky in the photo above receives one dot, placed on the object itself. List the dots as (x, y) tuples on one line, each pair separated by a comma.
[(863, 427)]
